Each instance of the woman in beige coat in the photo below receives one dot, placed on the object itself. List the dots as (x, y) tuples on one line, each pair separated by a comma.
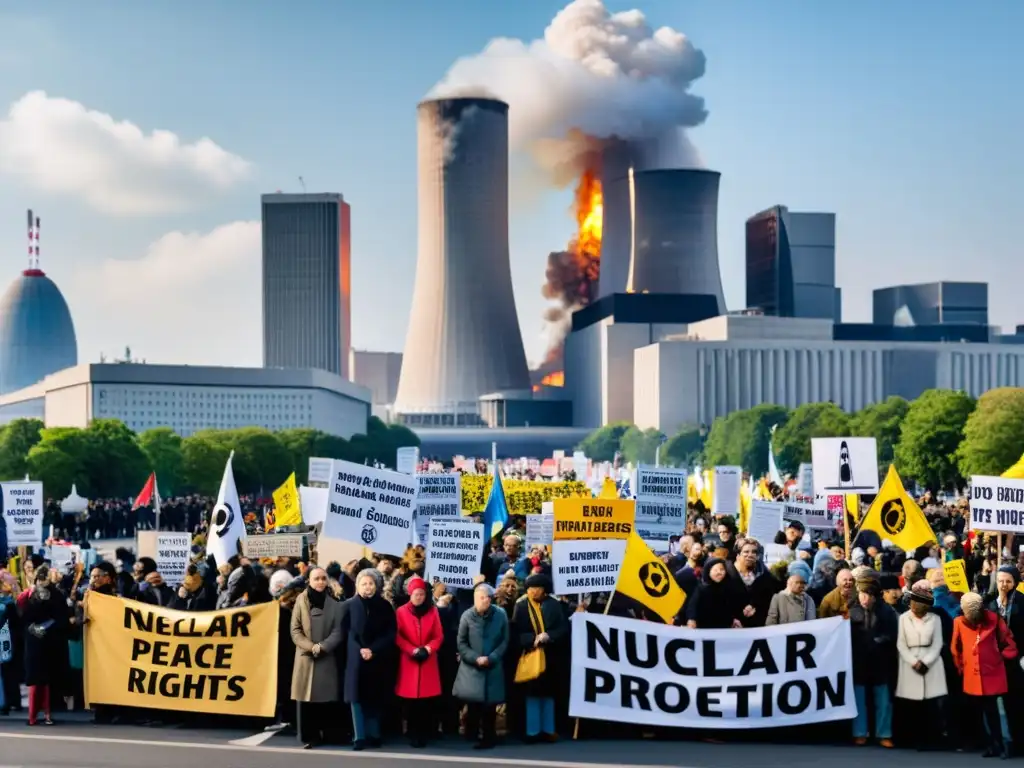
[(316, 632), (921, 687)]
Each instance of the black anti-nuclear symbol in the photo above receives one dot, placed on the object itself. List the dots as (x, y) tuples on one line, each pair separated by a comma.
[(369, 534), (223, 517), (654, 577), (894, 517)]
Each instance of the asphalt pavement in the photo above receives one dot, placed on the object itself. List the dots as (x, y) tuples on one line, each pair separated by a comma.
[(79, 744)]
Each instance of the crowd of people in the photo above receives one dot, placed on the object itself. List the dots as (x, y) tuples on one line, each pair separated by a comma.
[(369, 651)]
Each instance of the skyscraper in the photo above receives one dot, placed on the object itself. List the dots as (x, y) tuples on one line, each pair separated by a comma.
[(307, 286), (945, 303), (464, 339), (791, 264)]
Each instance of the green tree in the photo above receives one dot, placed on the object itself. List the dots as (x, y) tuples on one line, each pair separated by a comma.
[(640, 446), (931, 432), (262, 462), (162, 446), (882, 421), (303, 443), (115, 462), (604, 442), (792, 441), (59, 461), (684, 448), (741, 438), (994, 434), (16, 440), (203, 456)]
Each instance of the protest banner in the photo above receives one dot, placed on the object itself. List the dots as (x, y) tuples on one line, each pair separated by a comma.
[(997, 504), (455, 552), (725, 490), (589, 543), (23, 513), (540, 529), (644, 673), (765, 520), (437, 495), (370, 506), (805, 485), (318, 474), (63, 557), (811, 515), (660, 504), (842, 465), (173, 554), (955, 575), (138, 655), (407, 459), (274, 545)]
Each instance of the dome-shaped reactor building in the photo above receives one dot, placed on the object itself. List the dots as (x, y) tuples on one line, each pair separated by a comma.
[(37, 336)]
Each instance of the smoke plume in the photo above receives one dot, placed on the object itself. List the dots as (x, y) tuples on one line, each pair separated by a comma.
[(594, 76)]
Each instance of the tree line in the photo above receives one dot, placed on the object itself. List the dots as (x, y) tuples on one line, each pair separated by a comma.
[(938, 439), (108, 460)]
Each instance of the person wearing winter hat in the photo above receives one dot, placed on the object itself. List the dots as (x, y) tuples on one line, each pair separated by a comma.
[(921, 685), (419, 637), (483, 639), (874, 627), (981, 646), (45, 615), (539, 624), (793, 604)]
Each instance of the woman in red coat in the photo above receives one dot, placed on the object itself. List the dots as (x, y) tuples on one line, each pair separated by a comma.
[(419, 676), (981, 643)]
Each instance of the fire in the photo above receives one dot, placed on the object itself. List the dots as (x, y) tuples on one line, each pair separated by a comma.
[(589, 205), (554, 379)]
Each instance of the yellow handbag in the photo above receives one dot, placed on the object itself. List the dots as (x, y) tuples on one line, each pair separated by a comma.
[(532, 663)]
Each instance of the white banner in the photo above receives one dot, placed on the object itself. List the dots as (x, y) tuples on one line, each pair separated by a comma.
[(630, 671), (725, 490), (173, 554), (660, 496), (843, 465), (371, 507), (407, 459), (590, 565), (438, 495), (997, 504), (319, 474), (63, 557), (811, 515), (540, 529), (765, 520), (23, 513), (455, 552)]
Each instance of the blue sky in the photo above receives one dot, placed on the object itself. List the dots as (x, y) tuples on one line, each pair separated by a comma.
[(902, 117)]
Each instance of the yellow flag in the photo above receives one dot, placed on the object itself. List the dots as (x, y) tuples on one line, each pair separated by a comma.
[(691, 489), (644, 578), (745, 502), (286, 504), (896, 517), (705, 491), (608, 489), (853, 506), (1016, 471), (763, 492)]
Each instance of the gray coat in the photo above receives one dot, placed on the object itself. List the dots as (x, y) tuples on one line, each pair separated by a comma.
[(482, 635), (787, 608), (316, 679)]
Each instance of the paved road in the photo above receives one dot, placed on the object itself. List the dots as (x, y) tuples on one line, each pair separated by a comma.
[(80, 745)]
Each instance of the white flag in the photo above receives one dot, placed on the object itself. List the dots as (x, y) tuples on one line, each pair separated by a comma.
[(227, 527)]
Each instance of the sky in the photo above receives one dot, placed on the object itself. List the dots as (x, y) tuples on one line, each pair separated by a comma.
[(144, 133)]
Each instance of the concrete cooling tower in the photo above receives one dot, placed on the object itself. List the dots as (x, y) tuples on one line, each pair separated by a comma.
[(464, 339), (660, 232)]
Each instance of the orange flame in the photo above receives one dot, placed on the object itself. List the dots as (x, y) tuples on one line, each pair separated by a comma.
[(589, 205), (554, 379)]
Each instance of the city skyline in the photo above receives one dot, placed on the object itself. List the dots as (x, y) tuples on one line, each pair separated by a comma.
[(154, 238)]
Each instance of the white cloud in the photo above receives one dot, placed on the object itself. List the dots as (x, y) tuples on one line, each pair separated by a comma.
[(192, 298), (58, 145)]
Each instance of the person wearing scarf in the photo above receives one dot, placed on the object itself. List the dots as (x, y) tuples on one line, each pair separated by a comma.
[(316, 632), (369, 628), (981, 644), (419, 638), (549, 618)]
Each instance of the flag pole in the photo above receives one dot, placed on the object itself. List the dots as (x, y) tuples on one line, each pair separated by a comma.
[(156, 504)]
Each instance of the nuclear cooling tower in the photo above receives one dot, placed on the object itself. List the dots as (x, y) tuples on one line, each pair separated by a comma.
[(660, 231), (463, 339)]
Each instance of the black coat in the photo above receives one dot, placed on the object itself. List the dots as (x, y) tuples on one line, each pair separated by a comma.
[(205, 599), (555, 651), (46, 658), (715, 605), (285, 653), (369, 624), (759, 595), (874, 644)]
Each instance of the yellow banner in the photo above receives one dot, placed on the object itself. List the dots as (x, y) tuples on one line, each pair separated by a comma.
[(593, 519), (956, 576), (139, 655), (524, 497), (286, 504)]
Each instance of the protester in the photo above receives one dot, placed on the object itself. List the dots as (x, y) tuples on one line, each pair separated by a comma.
[(718, 603), (419, 638), (793, 604), (540, 626), (875, 627), (981, 643), (316, 632), (921, 685), (482, 642), (759, 586), (369, 628), (45, 616)]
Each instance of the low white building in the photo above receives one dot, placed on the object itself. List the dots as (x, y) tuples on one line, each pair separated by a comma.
[(191, 398)]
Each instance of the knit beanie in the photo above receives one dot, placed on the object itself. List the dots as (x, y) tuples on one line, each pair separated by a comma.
[(1012, 571), (801, 569), (971, 601), (869, 584), (921, 592)]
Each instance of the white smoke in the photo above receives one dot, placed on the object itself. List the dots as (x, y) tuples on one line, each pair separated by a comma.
[(594, 76)]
